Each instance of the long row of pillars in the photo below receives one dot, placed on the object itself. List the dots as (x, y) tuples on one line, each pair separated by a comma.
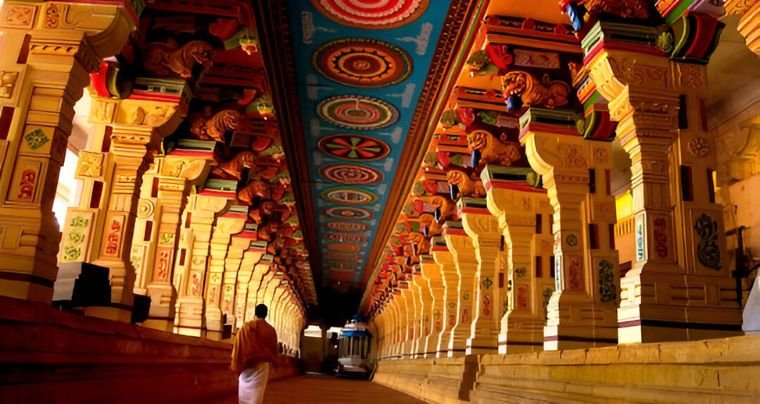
[(142, 218), (501, 281)]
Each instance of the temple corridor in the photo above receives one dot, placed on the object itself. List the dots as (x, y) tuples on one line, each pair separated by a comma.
[(455, 201)]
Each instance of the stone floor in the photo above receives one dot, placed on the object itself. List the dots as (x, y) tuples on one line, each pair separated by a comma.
[(312, 389)]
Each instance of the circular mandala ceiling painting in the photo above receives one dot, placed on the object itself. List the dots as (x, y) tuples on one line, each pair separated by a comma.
[(354, 147), (372, 14), (347, 226), (348, 213), (351, 174), (349, 196), (359, 62), (343, 247), (357, 112)]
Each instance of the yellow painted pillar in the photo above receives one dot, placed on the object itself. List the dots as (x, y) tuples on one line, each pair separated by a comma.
[(524, 219), (407, 321), (259, 271), (463, 253), (48, 50), (199, 217), (426, 316), (398, 325), (485, 237), (749, 23), (582, 308), (251, 258), (450, 280), (431, 271), (155, 243), (239, 243), (413, 297), (137, 129), (679, 232), (229, 223)]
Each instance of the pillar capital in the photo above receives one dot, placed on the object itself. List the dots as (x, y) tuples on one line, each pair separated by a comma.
[(749, 23)]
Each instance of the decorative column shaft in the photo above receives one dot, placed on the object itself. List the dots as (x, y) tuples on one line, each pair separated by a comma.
[(199, 217), (485, 237), (581, 311), (450, 279), (466, 263), (680, 243), (48, 51), (431, 271)]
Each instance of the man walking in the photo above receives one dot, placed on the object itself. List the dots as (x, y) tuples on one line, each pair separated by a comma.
[(255, 348)]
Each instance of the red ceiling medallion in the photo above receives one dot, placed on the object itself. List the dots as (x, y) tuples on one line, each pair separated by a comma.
[(357, 112), (346, 226), (360, 62), (346, 237), (349, 196), (354, 147), (372, 14), (343, 247), (351, 174), (348, 213)]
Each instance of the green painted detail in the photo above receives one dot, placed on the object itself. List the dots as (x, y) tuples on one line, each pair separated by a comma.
[(36, 139)]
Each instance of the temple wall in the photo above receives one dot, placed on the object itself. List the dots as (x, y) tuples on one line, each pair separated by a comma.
[(49, 353), (701, 371)]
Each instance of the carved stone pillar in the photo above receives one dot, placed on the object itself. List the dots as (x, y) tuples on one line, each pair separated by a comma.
[(524, 218), (155, 244), (463, 253), (48, 51), (749, 24), (137, 129), (248, 266), (231, 222), (483, 231), (259, 271), (450, 280), (199, 217), (414, 300), (407, 326), (582, 308), (232, 266), (431, 272), (680, 243)]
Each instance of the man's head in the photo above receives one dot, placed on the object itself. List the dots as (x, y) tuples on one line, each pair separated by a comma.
[(261, 311)]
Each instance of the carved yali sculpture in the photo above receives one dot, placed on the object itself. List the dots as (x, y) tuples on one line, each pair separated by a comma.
[(534, 93), (165, 59), (467, 186), (233, 167), (492, 150), (217, 126)]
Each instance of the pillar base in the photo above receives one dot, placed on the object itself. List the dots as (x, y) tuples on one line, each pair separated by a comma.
[(121, 314), (482, 344), (562, 337), (158, 324), (518, 340)]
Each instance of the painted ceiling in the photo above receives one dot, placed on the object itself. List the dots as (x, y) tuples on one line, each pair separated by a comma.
[(360, 67)]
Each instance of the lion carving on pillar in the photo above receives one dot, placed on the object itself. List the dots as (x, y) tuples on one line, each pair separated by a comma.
[(467, 186), (492, 150), (166, 58), (544, 93), (217, 126)]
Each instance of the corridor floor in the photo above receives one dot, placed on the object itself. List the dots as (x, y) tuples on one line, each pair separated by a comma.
[(328, 389)]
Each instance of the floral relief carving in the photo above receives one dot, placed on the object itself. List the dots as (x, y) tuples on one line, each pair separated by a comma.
[(699, 147), (90, 164), (7, 83), (708, 251), (19, 15), (52, 15), (572, 156)]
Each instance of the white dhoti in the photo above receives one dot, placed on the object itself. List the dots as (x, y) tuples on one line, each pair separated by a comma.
[(252, 382)]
